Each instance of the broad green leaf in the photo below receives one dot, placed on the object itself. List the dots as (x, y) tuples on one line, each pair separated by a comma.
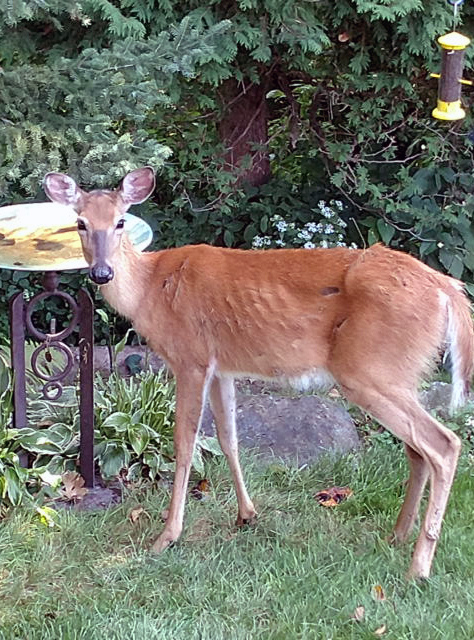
[(470, 288), (119, 421), (115, 458), (13, 487), (452, 262), (426, 248), (197, 461), (138, 438), (41, 441), (386, 231), (54, 480), (210, 444), (102, 315), (372, 237), (134, 472), (5, 378), (47, 516), (56, 465), (228, 238)]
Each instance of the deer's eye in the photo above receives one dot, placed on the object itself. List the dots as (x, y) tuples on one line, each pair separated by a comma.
[(120, 224), (81, 225)]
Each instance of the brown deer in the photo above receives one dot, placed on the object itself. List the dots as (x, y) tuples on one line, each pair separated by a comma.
[(372, 321)]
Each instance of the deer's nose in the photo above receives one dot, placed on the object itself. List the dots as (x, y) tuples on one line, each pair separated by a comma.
[(101, 274)]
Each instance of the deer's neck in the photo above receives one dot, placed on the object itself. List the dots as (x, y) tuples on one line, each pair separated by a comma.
[(128, 289)]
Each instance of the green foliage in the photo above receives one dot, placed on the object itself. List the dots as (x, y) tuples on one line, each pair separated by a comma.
[(6, 394), (17, 484), (86, 113), (134, 420)]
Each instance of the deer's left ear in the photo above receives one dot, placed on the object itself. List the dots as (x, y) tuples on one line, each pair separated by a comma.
[(137, 185), (61, 188)]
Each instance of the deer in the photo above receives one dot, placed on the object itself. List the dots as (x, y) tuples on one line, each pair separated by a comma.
[(372, 321)]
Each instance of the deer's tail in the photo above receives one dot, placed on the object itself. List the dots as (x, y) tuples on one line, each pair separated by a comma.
[(459, 339)]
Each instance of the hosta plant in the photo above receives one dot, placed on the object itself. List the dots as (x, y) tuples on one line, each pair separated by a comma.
[(18, 485), (134, 419)]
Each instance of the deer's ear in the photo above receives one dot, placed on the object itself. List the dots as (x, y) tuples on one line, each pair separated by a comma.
[(137, 185), (61, 188)]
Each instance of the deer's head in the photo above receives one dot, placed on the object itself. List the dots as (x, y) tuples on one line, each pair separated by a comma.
[(100, 214)]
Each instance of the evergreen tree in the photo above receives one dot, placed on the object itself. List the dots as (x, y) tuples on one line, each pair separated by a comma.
[(68, 105)]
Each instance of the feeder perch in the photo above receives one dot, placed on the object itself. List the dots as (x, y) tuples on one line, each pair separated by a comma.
[(450, 78)]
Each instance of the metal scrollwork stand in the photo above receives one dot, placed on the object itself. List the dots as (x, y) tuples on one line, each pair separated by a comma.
[(21, 321)]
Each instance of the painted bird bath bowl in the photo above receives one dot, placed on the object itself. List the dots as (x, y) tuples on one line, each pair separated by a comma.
[(43, 237)]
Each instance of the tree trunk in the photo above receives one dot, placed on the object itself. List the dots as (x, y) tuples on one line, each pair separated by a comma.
[(244, 131)]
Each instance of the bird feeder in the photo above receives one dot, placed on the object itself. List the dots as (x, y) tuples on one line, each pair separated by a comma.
[(450, 79)]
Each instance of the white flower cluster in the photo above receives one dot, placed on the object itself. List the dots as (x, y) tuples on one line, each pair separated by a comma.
[(310, 235), (258, 242)]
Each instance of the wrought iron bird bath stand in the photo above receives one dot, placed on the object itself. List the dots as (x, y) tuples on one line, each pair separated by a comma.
[(42, 237)]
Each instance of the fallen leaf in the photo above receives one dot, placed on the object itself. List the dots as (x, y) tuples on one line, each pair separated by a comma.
[(378, 593), (73, 488), (333, 496), (44, 423), (200, 490), (136, 513), (358, 614), (164, 514), (334, 393), (344, 36), (380, 631)]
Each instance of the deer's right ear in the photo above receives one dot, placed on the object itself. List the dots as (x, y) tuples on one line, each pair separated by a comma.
[(61, 188)]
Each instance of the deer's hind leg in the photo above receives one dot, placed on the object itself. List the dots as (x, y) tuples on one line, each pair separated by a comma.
[(433, 450), (419, 472)]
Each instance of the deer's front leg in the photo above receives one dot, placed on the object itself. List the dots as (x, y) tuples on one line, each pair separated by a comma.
[(191, 393)]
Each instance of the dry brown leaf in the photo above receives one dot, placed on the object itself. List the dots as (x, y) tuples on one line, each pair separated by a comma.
[(44, 423), (164, 514), (333, 496), (358, 614), (200, 490), (136, 513), (380, 631), (378, 593), (344, 36), (73, 488)]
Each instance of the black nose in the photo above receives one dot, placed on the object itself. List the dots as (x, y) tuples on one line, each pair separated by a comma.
[(101, 274)]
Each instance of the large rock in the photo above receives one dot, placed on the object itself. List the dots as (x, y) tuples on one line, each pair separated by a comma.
[(438, 398), (294, 429)]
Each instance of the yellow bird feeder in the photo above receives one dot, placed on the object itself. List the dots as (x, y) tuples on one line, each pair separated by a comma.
[(450, 78)]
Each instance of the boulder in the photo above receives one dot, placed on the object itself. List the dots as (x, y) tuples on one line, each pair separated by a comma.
[(294, 429)]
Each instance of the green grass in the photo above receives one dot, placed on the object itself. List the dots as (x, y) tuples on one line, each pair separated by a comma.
[(299, 573)]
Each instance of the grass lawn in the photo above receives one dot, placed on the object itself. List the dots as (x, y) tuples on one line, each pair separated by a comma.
[(299, 573)]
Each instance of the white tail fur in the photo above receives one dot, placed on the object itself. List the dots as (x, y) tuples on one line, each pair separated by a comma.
[(458, 350)]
